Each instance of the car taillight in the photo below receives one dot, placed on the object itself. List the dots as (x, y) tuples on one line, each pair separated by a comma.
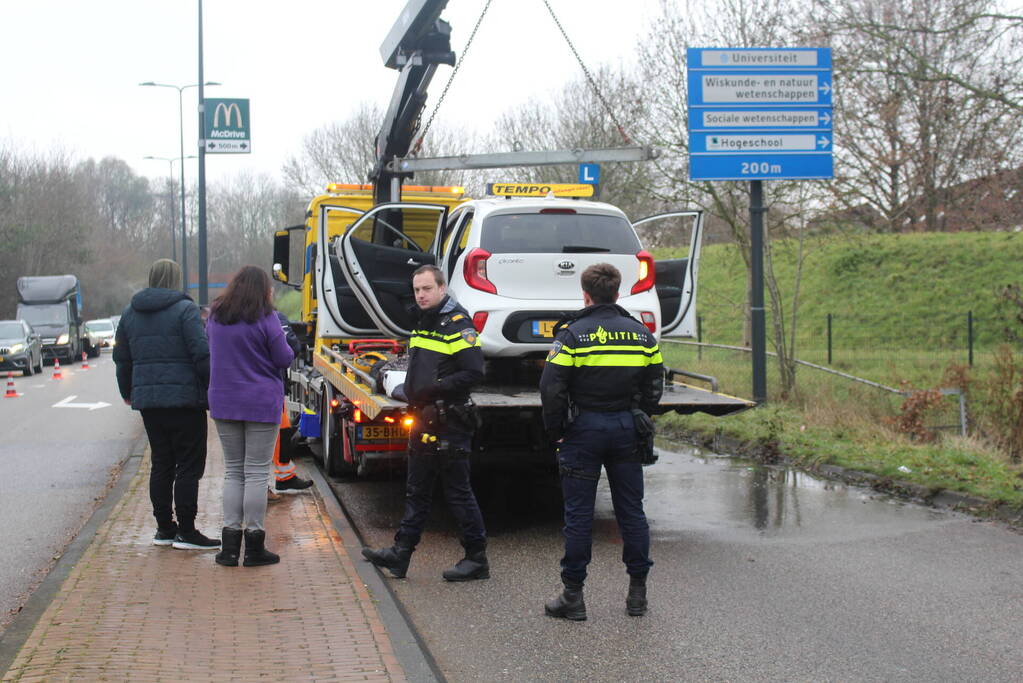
[(475, 271), (479, 319), (650, 321), (646, 272)]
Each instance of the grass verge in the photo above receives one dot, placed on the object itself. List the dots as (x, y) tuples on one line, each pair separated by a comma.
[(837, 422)]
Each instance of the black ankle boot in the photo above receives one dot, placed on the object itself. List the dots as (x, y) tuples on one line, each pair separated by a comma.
[(473, 566), (635, 602), (256, 555), (396, 558), (569, 604), (230, 547)]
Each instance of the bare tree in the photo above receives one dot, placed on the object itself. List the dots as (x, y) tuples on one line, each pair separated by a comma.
[(577, 118), (344, 152), (662, 55), (244, 212), (912, 123)]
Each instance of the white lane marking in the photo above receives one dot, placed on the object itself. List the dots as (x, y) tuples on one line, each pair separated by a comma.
[(67, 403)]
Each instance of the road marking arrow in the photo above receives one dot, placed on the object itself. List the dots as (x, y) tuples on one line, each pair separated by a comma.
[(67, 403)]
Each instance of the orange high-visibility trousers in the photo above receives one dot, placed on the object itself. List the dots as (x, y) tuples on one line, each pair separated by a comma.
[(282, 470)]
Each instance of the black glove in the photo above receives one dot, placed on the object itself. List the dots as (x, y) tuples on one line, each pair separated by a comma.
[(644, 437)]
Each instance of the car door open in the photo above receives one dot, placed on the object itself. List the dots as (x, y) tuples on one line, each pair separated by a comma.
[(378, 254), (676, 278)]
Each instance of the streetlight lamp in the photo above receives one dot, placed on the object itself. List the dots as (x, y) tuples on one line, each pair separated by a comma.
[(181, 141), (170, 174)]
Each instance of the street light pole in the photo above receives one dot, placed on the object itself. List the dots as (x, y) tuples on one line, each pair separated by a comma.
[(181, 147), (170, 198), (170, 172)]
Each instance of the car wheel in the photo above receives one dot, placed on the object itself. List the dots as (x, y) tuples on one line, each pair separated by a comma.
[(27, 372), (39, 365)]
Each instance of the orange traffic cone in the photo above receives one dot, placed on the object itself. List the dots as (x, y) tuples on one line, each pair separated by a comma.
[(56, 369), (85, 363), (11, 393)]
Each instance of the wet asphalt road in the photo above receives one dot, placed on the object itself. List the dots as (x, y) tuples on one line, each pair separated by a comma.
[(57, 463), (760, 574)]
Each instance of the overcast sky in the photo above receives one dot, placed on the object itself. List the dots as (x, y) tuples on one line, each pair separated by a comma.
[(70, 69)]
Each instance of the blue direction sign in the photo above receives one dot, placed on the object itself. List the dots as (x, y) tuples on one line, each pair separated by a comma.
[(758, 113)]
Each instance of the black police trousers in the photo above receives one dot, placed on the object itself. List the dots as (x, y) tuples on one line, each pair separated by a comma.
[(594, 439), (450, 462)]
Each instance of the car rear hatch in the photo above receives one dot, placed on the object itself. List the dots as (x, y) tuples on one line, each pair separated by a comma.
[(540, 254)]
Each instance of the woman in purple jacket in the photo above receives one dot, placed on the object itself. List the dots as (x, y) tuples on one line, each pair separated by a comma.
[(247, 352)]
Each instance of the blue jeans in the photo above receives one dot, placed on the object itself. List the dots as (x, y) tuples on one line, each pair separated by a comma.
[(425, 464), (592, 440)]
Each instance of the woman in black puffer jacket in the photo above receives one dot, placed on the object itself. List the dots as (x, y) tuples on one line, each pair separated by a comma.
[(163, 371)]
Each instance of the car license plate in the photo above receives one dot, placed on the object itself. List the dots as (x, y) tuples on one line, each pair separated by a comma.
[(380, 432), (544, 328)]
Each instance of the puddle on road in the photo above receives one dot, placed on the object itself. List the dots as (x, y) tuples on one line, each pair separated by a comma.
[(694, 490)]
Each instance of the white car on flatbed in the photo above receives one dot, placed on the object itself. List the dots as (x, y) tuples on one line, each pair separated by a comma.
[(513, 263)]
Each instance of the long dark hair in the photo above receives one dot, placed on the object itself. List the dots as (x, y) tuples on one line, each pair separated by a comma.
[(247, 298)]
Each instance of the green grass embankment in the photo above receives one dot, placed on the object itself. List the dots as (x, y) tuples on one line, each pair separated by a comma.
[(899, 304)]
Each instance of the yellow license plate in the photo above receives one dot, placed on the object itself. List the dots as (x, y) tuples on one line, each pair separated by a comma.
[(544, 328), (381, 432)]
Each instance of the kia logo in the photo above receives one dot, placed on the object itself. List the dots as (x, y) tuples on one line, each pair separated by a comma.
[(566, 265)]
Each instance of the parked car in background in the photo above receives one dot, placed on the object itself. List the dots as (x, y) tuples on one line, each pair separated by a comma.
[(101, 332), (20, 347)]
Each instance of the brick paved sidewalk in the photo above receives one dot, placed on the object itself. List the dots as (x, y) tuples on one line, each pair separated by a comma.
[(130, 610)]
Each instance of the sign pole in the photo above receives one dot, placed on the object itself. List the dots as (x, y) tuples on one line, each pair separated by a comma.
[(759, 327), (203, 279)]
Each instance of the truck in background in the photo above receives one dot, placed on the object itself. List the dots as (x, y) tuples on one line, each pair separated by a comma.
[(52, 305)]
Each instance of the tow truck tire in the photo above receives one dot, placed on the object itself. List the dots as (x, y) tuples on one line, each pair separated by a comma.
[(330, 427)]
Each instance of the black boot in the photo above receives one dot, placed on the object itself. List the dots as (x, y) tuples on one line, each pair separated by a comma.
[(473, 566), (635, 602), (569, 604), (256, 555), (396, 558), (230, 547)]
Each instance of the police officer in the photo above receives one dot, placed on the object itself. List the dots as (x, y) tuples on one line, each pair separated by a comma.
[(445, 362), (603, 364)]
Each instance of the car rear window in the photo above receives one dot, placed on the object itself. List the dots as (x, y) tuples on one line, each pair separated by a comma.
[(557, 233)]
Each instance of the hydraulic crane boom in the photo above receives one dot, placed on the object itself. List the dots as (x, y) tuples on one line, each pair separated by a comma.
[(416, 44)]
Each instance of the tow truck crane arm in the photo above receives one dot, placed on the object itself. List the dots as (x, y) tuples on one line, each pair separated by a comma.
[(418, 42)]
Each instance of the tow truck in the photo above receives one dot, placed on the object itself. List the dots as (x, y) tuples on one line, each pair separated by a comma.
[(513, 259)]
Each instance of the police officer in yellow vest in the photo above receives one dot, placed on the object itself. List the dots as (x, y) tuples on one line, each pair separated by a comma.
[(603, 365), (445, 363)]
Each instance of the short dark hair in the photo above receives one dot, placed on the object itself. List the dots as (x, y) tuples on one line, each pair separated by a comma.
[(601, 282), (438, 274), (247, 297)]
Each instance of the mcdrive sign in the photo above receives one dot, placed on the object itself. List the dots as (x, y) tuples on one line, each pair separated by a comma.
[(226, 129)]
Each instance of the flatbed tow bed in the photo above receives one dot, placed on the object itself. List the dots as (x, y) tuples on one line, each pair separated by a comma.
[(359, 388)]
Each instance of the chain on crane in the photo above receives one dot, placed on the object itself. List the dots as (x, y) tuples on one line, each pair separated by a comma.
[(454, 72), (589, 77), (586, 72)]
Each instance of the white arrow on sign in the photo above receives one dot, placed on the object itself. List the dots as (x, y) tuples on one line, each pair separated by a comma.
[(67, 403), (826, 118), (825, 88), (823, 142)]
